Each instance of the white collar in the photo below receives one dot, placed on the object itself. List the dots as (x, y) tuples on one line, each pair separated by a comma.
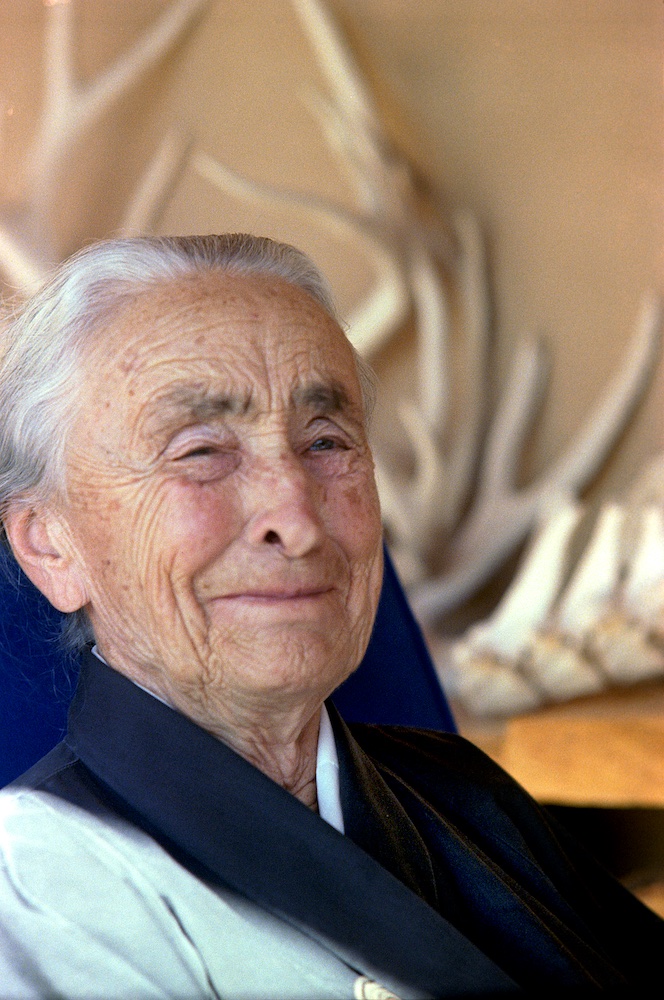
[(327, 775), (327, 765)]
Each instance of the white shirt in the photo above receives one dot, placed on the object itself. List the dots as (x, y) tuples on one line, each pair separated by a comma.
[(327, 775), (92, 909)]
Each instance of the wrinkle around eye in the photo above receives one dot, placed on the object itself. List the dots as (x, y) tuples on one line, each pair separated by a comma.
[(206, 465), (193, 441), (202, 457)]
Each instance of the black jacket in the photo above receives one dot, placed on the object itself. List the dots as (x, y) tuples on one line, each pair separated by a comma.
[(450, 877)]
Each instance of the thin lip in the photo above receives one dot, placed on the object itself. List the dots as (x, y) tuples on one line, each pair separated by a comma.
[(289, 594)]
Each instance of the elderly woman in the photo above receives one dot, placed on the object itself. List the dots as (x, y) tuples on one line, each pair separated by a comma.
[(184, 471)]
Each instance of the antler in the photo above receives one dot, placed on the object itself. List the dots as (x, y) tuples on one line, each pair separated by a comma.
[(70, 109), (545, 643), (502, 515)]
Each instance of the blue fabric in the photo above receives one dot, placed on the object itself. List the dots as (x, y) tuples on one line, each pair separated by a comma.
[(36, 678), (395, 684)]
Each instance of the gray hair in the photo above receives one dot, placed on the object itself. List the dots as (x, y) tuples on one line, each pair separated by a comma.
[(45, 340)]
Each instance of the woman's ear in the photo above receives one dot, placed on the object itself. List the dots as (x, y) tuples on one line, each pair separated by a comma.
[(43, 549)]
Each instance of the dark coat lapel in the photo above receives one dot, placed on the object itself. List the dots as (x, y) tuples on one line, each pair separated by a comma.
[(525, 895), (247, 833)]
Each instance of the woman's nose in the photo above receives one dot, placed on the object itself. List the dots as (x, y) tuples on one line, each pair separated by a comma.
[(286, 508)]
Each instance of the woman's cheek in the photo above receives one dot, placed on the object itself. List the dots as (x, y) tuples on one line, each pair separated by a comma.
[(361, 503), (197, 520)]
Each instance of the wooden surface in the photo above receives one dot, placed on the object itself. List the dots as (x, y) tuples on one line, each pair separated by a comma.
[(606, 750)]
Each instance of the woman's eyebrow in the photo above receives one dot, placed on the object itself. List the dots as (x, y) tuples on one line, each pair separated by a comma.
[(323, 397), (184, 403)]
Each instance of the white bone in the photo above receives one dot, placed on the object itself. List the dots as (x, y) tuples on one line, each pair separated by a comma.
[(559, 669), (530, 597), (337, 63), (583, 459), (21, 267), (501, 515), (623, 651), (432, 330), (484, 685), (379, 316), (589, 595), (475, 312), (385, 181), (70, 107), (643, 591)]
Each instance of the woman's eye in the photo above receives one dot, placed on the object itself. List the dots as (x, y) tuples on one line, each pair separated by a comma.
[(205, 463), (202, 451), (323, 444)]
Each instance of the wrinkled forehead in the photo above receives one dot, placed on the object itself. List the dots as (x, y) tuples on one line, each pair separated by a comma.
[(251, 336)]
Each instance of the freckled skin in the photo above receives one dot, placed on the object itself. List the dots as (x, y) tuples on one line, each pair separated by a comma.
[(231, 551)]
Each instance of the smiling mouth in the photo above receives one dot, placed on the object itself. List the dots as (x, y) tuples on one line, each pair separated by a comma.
[(274, 596)]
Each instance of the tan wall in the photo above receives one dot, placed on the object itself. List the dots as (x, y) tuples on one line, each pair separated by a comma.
[(544, 118)]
